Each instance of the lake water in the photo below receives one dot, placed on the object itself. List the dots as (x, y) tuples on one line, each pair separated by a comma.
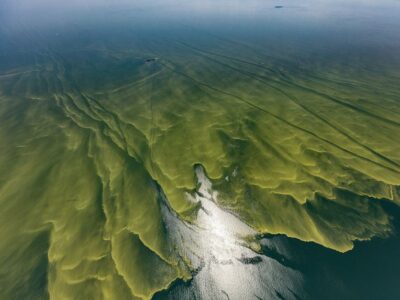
[(199, 150)]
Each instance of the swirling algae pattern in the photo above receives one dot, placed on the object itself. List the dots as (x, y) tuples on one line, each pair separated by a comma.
[(90, 138)]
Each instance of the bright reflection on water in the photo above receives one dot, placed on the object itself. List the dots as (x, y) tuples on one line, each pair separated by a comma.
[(226, 266)]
